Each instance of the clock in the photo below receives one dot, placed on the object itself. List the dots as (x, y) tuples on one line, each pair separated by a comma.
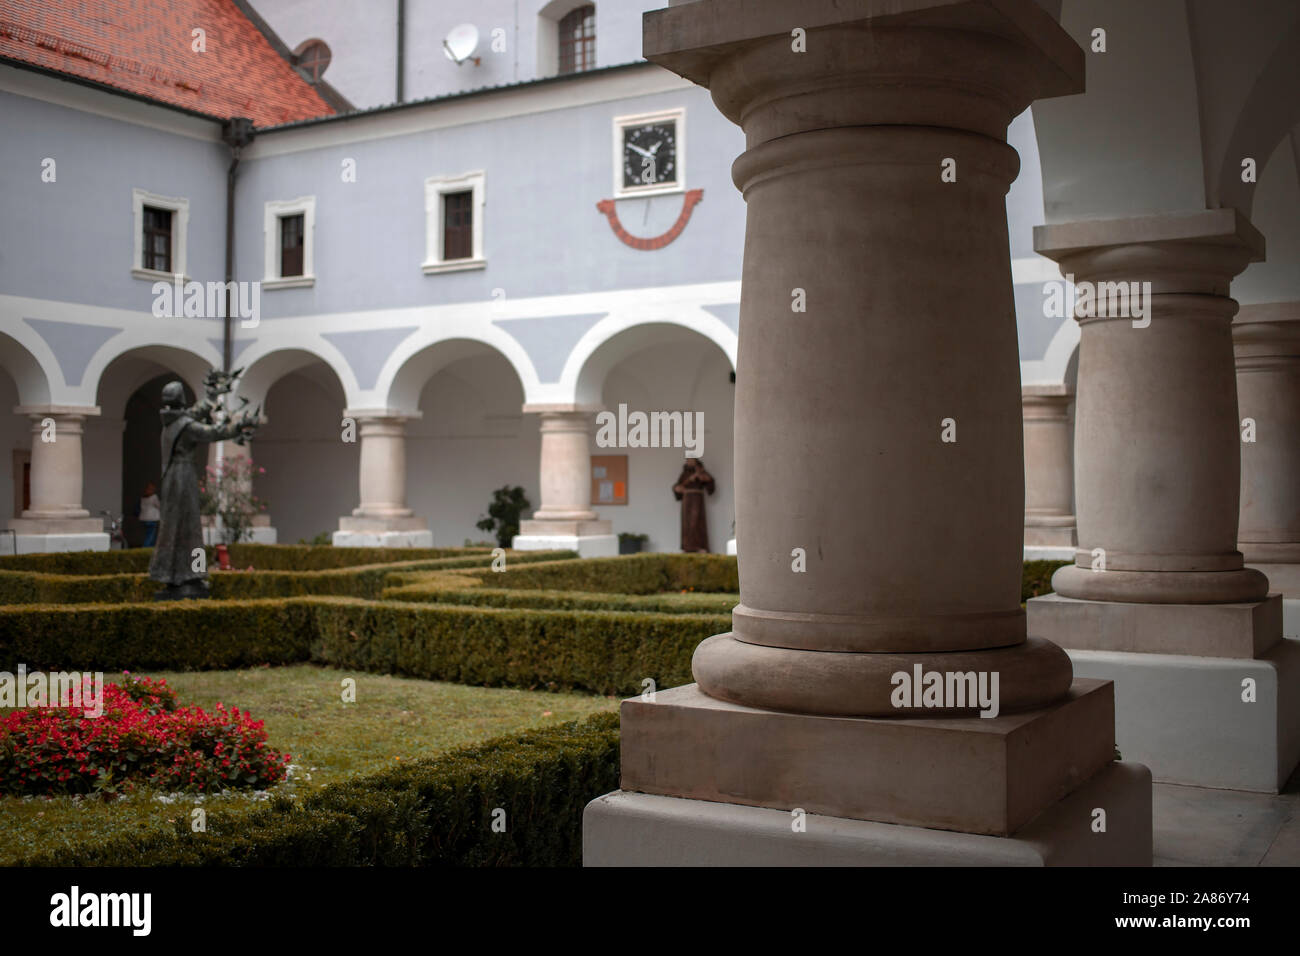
[(648, 154)]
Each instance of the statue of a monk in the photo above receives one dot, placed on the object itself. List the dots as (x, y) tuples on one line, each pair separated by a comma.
[(690, 490), (180, 530)]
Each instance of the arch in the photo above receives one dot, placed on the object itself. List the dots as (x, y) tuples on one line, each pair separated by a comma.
[(1271, 111), (137, 348), (117, 379), (614, 338), (264, 367), (25, 368), (423, 355)]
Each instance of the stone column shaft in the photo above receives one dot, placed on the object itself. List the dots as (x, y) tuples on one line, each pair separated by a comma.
[(1049, 466), (565, 478), (1266, 340), (383, 467)]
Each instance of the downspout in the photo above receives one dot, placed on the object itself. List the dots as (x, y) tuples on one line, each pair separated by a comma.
[(237, 133), (401, 51)]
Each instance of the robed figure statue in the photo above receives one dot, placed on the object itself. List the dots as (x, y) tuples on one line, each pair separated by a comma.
[(180, 529), (690, 490)]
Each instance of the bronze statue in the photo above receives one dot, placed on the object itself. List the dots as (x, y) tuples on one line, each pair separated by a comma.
[(690, 490), (180, 530)]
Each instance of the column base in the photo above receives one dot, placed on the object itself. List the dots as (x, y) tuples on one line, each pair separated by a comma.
[(1184, 717), (1044, 553), (970, 774), (1284, 578), (731, 546), (587, 546), (50, 543), (1053, 536), (396, 532), (637, 829), (1205, 630)]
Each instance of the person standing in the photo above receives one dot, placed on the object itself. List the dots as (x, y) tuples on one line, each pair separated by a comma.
[(150, 513)]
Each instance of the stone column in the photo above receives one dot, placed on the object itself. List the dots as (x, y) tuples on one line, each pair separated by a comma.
[(1266, 339), (879, 458), (564, 519), (382, 519), (1049, 472), (1159, 598), (56, 520)]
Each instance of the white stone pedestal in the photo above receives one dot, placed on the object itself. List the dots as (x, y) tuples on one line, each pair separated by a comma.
[(731, 546), (1035, 552), (639, 829), (45, 543), (418, 538), (1184, 717), (587, 546)]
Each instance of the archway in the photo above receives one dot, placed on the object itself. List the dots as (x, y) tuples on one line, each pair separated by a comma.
[(664, 367)]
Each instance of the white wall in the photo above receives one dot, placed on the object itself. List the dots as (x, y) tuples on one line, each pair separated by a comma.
[(15, 432), (311, 473)]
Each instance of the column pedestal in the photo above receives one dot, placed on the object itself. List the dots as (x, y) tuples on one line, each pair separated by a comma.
[(1159, 599), (813, 701), (1049, 474), (56, 520), (382, 520), (565, 521), (262, 531)]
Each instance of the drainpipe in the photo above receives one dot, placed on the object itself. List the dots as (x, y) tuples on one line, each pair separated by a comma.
[(237, 133), (401, 51)]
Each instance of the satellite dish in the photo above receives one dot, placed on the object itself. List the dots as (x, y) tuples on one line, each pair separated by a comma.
[(460, 43)]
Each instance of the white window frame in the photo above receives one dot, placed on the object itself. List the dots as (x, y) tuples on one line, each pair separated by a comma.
[(623, 122), (180, 210), (435, 187), (274, 211)]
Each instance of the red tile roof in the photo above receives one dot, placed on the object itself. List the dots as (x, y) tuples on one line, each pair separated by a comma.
[(145, 47)]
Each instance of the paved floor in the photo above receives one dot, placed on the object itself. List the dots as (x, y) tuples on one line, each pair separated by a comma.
[(1200, 827)]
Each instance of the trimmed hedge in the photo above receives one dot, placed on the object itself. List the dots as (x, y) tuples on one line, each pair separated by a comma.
[(367, 581), (264, 557), (605, 652), (608, 652), (432, 812), (693, 602), (630, 574)]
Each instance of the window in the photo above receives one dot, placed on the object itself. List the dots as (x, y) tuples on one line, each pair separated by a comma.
[(157, 253), (312, 58), (291, 245), (457, 225), (160, 224), (290, 228), (577, 34), (453, 207)]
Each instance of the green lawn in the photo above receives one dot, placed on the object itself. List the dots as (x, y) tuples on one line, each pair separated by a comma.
[(394, 718)]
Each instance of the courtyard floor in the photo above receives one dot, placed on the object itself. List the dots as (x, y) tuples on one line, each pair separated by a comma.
[(1195, 826)]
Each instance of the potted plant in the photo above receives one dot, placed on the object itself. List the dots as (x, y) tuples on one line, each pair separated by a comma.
[(508, 504), (629, 543)]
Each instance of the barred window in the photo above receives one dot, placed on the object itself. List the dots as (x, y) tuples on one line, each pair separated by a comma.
[(578, 40)]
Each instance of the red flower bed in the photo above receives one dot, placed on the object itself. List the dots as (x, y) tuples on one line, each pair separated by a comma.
[(142, 737)]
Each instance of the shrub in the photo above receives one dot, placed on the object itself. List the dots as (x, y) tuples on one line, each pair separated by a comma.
[(631, 574), (137, 739), (432, 812), (508, 503)]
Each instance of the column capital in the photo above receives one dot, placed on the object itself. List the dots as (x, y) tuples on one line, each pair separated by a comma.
[(959, 64), (1267, 336), (382, 414), (58, 411), (1197, 253)]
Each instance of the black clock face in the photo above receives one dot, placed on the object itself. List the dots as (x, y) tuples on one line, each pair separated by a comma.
[(650, 154)]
